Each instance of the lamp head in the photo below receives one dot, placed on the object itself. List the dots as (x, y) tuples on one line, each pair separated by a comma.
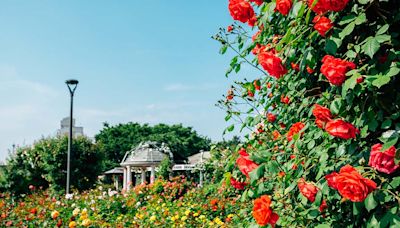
[(72, 82)]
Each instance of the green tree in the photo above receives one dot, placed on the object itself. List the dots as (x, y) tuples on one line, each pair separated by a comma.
[(44, 164), (115, 141)]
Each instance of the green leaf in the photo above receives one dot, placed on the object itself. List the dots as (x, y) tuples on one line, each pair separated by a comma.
[(223, 49), (350, 83), (347, 19), (323, 226), (311, 144), (390, 142), (347, 30), (394, 183), (335, 106), (370, 202), (386, 124), (230, 128), (380, 81), (362, 18), (257, 173), (382, 29), (382, 38), (371, 46), (393, 71), (357, 208)]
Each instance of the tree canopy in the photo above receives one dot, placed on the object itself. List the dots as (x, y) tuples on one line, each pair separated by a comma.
[(115, 141)]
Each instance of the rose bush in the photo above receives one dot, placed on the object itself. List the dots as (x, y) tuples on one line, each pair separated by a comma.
[(328, 73)]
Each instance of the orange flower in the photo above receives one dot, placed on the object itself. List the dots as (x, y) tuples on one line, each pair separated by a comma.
[(350, 184), (262, 212), (244, 163), (307, 189), (294, 129)]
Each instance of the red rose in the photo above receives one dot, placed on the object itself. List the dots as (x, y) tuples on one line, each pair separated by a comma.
[(295, 66), (230, 28), (335, 5), (383, 161), (335, 69), (310, 70), (250, 93), (271, 117), (360, 80), (318, 6), (262, 212), (257, 2), (341, 129), (350, 184), (240, 10), (322, 24), (230, 95), (276, 135), (383, 58), (252, 21), (244, 163), (285, 100), (255, 36), (320, 123), (322, 113), (323, 6), (283, 6), (307, 189), (323, 206), (237, 184), (257, 84), (294, 129), (271, 63)]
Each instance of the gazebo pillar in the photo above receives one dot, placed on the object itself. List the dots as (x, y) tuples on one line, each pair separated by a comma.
[(143, 175), (129, 178), (124, 180), (152, 174)]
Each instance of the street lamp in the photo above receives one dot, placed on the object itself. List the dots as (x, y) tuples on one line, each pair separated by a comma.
[(72, 84)]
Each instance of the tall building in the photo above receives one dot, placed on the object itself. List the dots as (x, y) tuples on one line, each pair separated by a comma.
[(76, 131)]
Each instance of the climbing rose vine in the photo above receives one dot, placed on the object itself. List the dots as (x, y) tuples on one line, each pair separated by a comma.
[(318, 104)]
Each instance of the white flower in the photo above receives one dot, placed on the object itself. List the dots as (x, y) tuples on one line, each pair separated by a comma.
[(58, 203), (101, 188), (69, 196)]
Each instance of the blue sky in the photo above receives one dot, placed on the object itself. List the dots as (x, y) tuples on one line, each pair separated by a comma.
[(140, 61)]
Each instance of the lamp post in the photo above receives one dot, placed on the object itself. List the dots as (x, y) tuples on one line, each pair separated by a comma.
[(72, 84)]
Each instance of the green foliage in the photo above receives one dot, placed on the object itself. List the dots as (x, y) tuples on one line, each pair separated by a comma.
[(365, 33), (115, 141), (44, 164), (165, 168)]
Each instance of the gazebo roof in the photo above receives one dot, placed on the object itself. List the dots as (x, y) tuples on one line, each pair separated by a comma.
[(116, 170), (199, 157), (146, 154)]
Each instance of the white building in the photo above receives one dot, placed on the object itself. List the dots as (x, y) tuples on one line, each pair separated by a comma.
[(64, 130)]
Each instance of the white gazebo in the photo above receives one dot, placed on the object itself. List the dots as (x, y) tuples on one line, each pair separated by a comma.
[(145, 155)]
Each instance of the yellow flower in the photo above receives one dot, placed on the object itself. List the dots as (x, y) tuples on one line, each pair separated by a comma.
[(187, 212), (218, 221), (196, 214), (173, 218), (211, 224), (84, 211), (72, 224), (153, 218), (183, 218), (86, 222), (163, 205), (76, 211), (202, 217), (230, 215), (55, 214), (84, 216)]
